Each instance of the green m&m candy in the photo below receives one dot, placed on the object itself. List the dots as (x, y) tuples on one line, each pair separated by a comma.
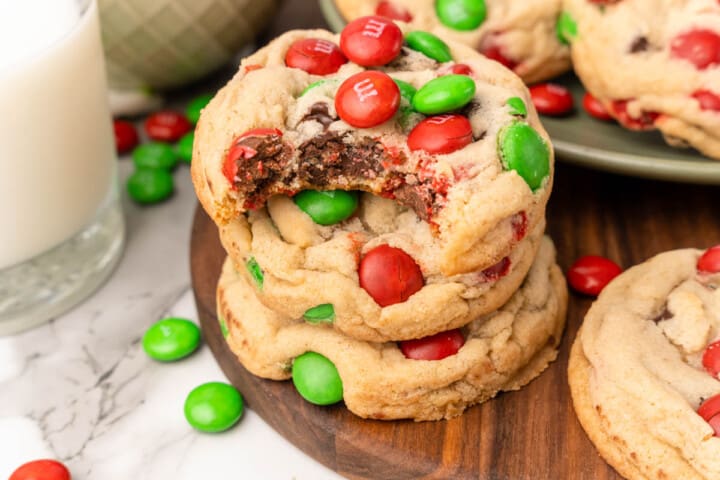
[(150, 185), (461, 14), (311, 86), (253, 267), (324, 313), (154, 155), (407, 91), (192, 112), (171, 339), (444, 94), (566, 28), (428, 44), (327, 208), (213, 407), (517, 106), (316, 379), (184, 147), (523, 149)]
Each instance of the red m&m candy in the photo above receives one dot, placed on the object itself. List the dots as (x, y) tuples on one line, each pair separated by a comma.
[(709, 262), (441, 134), (371, 41), (126, 137), (595, 108), (710, 412), (551, 99), (389, 275), (238, 151), (167, 126), (700, 47), (645, 121), (392, 11), (434, 347), (315, 55), (367, 99), (494, 52), (711, 359), (591, 273), (708, 100), (41, 470)]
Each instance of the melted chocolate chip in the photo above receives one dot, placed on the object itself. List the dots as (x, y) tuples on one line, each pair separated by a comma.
[(664, 315), (320, 113), (640, 44)]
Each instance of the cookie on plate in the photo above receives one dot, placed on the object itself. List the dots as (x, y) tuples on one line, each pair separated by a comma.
[(351, 271), (521, 35), (464, 150), (501, 351), (654, 64), (643, 368)]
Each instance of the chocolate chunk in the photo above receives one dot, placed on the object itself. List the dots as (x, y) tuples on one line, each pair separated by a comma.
[(320, 113), (664, 315), (640, 44), (267, 166)]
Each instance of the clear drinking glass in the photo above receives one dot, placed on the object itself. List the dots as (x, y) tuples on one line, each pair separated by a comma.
[(61, 226)]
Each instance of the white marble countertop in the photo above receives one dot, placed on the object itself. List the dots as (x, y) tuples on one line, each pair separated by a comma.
[(81, 390)]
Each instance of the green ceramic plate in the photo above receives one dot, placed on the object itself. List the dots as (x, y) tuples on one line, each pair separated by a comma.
[(582, 140)]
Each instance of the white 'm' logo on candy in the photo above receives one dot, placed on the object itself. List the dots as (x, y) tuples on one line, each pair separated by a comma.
[(373, 28), (365, 89), (440, 119), (323, 47)]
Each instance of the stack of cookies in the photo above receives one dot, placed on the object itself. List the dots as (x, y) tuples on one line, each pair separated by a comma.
[(381, 196)]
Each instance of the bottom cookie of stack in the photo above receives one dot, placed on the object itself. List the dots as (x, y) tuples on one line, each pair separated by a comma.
[(503, 350)]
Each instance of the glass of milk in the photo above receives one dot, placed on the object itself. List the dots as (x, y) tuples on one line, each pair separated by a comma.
[(61, 227)]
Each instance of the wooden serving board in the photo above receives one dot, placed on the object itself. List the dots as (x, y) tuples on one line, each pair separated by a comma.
[(524, 435)]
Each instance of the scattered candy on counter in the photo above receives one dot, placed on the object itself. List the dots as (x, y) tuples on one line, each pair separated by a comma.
[(461, 15), (171, 339), (167, 126), (523, 149), (41, 470), (429, 44), (213, 407), (389, 275), (324, 313), (316, 379), (434, 347), (195, 106), (184, 147), (367, 99), (150, 185), (371, 41), (709, 410), (709, 262), (154, 155), (594, 108), (315, 56), (163, 127), (126, 137), (444, 94), (327, 207), (591, 273), (552, 99)]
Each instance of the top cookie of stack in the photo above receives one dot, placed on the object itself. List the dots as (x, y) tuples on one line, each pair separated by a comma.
[(522, 35), (433, 125)]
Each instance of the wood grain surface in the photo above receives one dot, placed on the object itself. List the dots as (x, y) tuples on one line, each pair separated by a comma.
[(524, 435)]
